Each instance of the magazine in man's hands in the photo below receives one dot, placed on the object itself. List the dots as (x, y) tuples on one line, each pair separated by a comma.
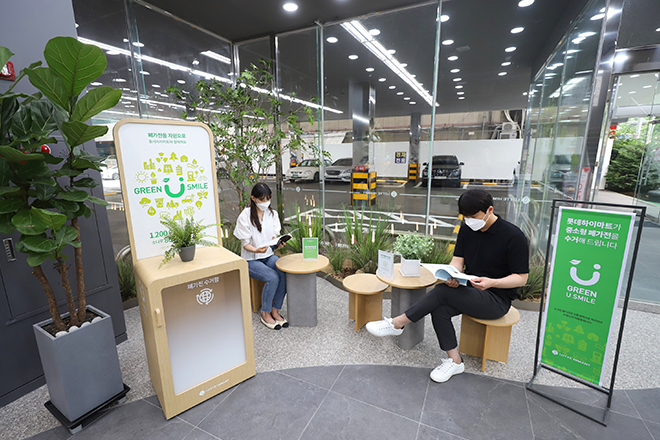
[(282, 239), (446, 271)]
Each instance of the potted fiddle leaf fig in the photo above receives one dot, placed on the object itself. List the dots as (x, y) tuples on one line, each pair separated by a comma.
[(43, 197)]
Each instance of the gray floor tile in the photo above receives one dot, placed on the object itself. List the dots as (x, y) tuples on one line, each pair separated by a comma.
[(654, 428), (620, 401), (270, 405), (428, 433), (134, 420), (153, 400), (647, 403), (554, 422), (198, 413), (478, 407), (59, 433), (198, 434), (342, 418), (400, 390), (320, 376)]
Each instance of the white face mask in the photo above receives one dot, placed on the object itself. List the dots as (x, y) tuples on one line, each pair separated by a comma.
[(263, 206), (476, 223)]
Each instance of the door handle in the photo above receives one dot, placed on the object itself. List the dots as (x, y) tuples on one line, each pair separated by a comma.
[(159, 318)]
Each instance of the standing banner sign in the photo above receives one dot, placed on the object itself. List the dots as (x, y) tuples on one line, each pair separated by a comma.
[(587, 271)]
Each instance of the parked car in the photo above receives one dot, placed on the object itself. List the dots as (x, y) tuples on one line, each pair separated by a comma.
[(110, 173), (339, 171), (444, 169), (306, 170)]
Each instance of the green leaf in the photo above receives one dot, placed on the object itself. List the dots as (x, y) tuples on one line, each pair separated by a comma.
[(86, 182), (94, 102), (78, 133), (52, 220), (68, 172), (44, 192), (9, 190), (45, 117), (77, 195), (84, 164), (84, 211), (5, 54), (33, 169), (21, 123), (37, 259), (65, 236), (39, 243), (49, 158), (97, 201), (27, 223), (76, 63), (13, 155), (64, 206), (5, 173), (6, 226), (51, 85), (11, 205), (8, 107)]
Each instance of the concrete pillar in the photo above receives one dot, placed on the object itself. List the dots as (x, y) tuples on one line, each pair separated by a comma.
[(414, 170), (362, 104)]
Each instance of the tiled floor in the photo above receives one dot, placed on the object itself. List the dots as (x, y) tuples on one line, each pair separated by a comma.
[(378, 402)]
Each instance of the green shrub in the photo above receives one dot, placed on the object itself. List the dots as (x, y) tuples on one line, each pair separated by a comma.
[(336, 254), (366, 237), (623, 171), (302, 224), (413, 246), (126, 279), (534, 281), (440, 254), (230, 242)]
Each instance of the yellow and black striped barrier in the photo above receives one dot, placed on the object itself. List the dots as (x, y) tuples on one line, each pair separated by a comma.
[(454, 234), (413, 169), (363, 188)]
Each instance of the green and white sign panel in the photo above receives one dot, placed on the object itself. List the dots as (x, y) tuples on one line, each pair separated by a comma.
[(167, 170), (586, 278), (310, 248)]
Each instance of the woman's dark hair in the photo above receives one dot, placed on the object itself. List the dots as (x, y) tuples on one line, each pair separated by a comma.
[(258, 191), (473, 201)]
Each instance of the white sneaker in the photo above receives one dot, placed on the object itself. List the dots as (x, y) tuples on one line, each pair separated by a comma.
[(443, 372), (383, 328)]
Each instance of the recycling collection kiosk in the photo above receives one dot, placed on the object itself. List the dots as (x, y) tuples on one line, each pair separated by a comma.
[(196, 316)]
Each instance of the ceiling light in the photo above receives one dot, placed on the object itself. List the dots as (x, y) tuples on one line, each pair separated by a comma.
[(460, 93), (290, 7), (156, 86), (501, 74), (577, 40), (216, 56), (657, 30), (630, 93), (399, 93), (597, 17), (461, 97), (506, 63), (119, 80), (586, 34), (510, 49), (524, 93), (452, 58), (645, 87), (138, 44), (457, 79), (392, 87), (352, 57), (517, 30), (374, 32), (634, 76), (125, 40), (391, 51), (180, 81), (448, 42), (444, 18), (620, 57), (382, 79), (458, 87), (144, 72), (412, 102), (455, 70), (332, 40), (407, 98), (113, 52), (369, 69), (195, 62), (404, 65), (525, 3), (96, 83)]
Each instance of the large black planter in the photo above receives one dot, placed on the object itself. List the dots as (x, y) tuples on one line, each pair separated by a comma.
[(82, 367)]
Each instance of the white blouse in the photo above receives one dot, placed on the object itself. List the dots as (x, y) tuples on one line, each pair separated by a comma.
[(249, 234)]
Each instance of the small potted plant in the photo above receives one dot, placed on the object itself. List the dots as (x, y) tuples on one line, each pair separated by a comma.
[(412, 248), (184, 235)]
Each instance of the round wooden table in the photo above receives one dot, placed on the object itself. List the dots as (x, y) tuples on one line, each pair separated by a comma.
[(405, 292), (365, 298), (301, 288)]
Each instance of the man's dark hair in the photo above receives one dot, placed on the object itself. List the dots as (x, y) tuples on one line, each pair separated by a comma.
[(473, 201)]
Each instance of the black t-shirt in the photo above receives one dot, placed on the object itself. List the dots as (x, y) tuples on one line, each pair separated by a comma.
[(496, 253)]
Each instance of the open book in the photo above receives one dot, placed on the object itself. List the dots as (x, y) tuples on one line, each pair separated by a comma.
[(446, 271), (282, 239)]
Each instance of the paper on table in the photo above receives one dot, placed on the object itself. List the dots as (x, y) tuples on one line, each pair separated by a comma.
[(446, 271)]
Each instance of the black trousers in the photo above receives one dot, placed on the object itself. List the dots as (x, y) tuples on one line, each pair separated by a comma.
[(444, 302)]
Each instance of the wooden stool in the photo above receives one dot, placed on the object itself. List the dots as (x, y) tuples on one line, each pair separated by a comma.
[(256, 287), (488, 338), (365, 298)]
